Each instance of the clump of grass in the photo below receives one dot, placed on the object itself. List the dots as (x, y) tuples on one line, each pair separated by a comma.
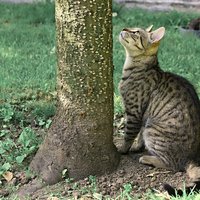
[(118, 104), (164, 196)]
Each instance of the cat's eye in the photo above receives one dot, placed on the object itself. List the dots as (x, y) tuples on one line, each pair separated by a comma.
[(130, 31), (135, 32)]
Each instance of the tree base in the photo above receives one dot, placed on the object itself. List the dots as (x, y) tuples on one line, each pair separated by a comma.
[(80, 149)]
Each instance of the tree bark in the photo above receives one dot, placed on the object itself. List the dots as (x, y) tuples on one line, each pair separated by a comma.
[(80, 138)]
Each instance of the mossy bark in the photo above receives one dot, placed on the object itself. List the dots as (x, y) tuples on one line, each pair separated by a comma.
[(80, 138)]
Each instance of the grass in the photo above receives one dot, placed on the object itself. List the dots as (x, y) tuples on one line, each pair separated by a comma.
[(27, 55), (28, 71)]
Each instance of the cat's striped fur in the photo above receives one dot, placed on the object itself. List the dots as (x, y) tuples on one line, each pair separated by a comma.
[(162, 109)]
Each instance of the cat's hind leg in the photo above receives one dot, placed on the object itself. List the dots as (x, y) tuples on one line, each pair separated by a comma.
[(152, 160), (156, 146)]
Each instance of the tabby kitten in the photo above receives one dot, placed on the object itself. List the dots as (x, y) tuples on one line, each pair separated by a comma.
[(162, 109)]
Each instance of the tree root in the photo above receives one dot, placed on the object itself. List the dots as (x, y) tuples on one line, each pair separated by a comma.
[(28, 189)]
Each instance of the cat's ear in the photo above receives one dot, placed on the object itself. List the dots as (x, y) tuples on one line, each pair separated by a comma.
[(157, 35), (149, 28)]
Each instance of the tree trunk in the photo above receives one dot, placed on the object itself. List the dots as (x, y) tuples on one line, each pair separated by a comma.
[(80, 138)]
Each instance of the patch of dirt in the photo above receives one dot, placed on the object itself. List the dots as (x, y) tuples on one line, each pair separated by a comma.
[(141, 177)]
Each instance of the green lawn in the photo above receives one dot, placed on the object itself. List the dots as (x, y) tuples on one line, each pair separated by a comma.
[(27, 49), (28, 69)]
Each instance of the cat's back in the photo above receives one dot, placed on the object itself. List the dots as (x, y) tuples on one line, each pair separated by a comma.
[(174, 96), (173, 116)]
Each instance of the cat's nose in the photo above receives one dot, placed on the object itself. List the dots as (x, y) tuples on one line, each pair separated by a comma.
[(123, 34)]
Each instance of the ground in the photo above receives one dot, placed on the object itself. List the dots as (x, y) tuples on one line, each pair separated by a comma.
[(142, 178), (131, 178)]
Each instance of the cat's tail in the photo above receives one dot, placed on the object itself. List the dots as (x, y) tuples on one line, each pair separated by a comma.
[(193, 172)]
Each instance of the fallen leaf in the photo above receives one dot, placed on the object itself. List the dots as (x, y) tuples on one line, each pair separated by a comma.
[(8, 176), (87, 197), (155, 173), (52, 198)]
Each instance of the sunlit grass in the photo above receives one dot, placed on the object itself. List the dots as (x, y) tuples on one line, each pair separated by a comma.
[(27, 43), (27, 50)]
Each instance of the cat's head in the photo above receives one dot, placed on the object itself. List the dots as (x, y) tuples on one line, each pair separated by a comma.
[(138, 41)]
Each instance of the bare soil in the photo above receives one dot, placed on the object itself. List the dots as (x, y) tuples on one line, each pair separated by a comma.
[(142, 178)]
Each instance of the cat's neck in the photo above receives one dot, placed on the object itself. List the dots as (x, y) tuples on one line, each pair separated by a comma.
[(139, 64)]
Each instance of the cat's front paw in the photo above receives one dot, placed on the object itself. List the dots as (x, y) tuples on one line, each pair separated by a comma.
[(137, 147), (124, 148)]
